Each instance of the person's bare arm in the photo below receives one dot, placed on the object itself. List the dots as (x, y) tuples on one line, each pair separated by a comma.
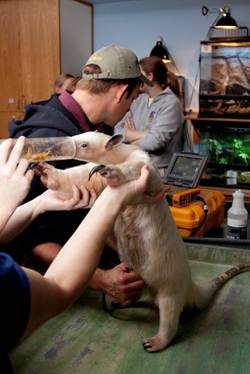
[(49, 200)]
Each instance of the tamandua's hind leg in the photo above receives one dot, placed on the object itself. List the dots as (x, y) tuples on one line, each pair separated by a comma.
[(170, 308)]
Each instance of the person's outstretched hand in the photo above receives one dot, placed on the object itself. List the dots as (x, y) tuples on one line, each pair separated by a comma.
[(15, 179), (55, 200), (134, 192)]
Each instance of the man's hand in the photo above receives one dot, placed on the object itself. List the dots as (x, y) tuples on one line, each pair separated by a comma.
[(122, 285)]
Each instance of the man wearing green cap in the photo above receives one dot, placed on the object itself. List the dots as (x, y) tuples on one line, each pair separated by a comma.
[(110, 82)]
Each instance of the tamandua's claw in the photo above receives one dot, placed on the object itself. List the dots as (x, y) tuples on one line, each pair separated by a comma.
[(155, 344), (147, 346), (95, 169), (38, 168)]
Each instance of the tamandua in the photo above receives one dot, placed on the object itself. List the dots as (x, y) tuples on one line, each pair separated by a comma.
[(147, 238)]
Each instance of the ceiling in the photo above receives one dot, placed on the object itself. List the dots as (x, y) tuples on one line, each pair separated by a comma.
[(106, 1)]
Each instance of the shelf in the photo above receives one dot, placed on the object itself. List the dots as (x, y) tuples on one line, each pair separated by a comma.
[(227, 191), (195, 118), (199, 124)]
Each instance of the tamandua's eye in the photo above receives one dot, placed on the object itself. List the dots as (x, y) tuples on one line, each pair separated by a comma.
[(84, 145)]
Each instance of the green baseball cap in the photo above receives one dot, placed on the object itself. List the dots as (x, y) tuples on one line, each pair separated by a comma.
[(115, 63)]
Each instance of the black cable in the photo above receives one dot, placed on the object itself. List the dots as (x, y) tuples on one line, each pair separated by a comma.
[(117, 306)]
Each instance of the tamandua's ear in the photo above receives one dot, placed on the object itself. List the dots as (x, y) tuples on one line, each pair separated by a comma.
[(113, 141)]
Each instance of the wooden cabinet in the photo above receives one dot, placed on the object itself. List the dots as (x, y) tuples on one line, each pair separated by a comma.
[(30, 53)]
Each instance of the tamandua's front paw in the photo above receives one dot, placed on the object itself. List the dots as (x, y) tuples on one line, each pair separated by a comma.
[(112, 174), (48, 175)]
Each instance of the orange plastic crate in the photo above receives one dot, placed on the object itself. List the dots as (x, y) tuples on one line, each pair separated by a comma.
[(193, 221)]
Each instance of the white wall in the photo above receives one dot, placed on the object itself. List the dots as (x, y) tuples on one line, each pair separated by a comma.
[(138, 24), (76, 35)]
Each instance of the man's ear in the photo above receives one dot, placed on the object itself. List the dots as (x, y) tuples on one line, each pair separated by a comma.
[(114, 141), (122, 90)]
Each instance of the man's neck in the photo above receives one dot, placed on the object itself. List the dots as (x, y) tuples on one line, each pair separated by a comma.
[(91, 104), (75, 109)]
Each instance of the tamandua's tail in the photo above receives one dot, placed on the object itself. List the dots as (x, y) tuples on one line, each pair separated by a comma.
[(203, 294), (221, 279)]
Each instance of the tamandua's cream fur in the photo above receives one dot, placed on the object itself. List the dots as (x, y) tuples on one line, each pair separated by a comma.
[(147, 238)]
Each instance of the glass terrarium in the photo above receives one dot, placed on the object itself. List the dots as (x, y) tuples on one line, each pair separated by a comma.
[(225, 79), (229, 156)]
